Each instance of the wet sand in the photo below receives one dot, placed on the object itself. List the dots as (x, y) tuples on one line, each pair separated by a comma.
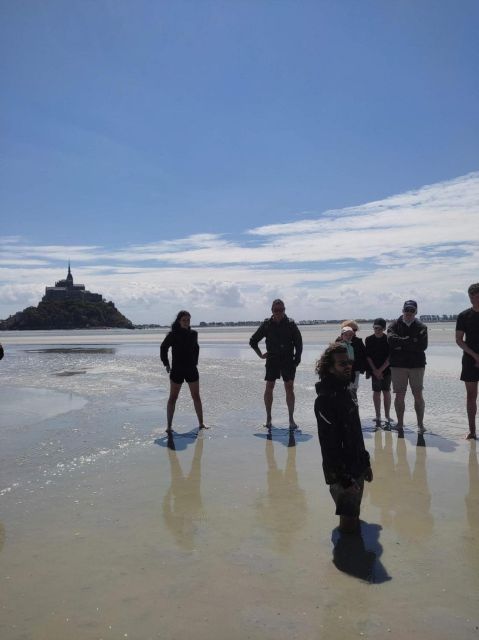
[(230, 534)]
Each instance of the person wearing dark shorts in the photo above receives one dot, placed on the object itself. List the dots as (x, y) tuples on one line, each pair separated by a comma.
[(467, 339), (377, 358), (185, 351), (284, 346), (346, 463)]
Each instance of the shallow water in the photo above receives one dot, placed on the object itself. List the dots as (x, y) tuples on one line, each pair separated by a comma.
[(110, 530)]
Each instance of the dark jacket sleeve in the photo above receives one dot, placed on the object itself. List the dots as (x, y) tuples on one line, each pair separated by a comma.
[(1, 352), (298, 344), (196, 349), (395, 341), (360, 363), (258, 335), (165, 345), (329, 419)]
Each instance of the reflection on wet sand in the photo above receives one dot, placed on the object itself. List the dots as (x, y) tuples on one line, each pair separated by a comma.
[(2, 536), (283, 511), (402, 496), (471, 499), (182, 504)]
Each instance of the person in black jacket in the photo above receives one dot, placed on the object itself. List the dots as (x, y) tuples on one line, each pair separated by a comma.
[(407, 339), (185, 351), (284, 346), (345, 460)]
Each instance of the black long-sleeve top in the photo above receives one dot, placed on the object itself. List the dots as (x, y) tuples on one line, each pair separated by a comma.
[(184, 347), (283, 339), (407, 344), (339, 429)]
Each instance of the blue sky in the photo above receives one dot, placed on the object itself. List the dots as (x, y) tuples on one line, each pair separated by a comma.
[(211, 155)]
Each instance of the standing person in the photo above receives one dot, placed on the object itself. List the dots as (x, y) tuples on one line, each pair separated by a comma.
[(359, 365), (1, 352), (185, 351), (345, 459), (467, 326), (407, 339), (284, 346), (377, 357)]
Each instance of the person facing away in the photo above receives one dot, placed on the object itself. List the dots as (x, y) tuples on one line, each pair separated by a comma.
[(467, 339), (377, 357), (359, 365), (407, 340), (346, 462), (284, 346), (185, 352)]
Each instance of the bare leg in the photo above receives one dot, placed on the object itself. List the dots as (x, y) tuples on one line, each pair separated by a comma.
[(170, 407), (387, 404), (419, 407), (195, 394), (377, 404), (290, 399), (471, 405), (400, 406), (268, 400)]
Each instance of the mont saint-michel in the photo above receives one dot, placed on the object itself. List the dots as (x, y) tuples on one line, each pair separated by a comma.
[(68, 306)]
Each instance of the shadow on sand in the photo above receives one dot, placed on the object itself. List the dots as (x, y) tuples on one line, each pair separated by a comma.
[(287, 437), (358, 554), (177, 441)]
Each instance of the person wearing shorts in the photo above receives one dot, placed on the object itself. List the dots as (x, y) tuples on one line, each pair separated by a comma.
[(185, 351), (284, 346), (407, 340), (377, 358), (467, 339), (346, 463)]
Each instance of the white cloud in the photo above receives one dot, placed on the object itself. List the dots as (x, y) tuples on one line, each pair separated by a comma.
[(358, 261)]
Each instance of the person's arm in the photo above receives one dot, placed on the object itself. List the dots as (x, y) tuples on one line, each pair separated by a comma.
[(461, 343), (395, 341), (1, 352), (329, 425), (257, 336), (419, 342), (165, 345), (298, 344), (196, 349)]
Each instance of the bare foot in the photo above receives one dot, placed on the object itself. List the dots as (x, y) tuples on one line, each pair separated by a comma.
[(268, 425), (168, 430), (293, 426), (202, 426), (471, 435)]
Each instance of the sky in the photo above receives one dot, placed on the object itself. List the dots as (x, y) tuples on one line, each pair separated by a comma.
[(215, 155)]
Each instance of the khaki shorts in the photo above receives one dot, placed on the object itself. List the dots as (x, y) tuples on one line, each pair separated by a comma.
[(400, 377)]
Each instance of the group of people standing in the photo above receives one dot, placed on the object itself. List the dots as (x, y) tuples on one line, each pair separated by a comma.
[(395, 355)]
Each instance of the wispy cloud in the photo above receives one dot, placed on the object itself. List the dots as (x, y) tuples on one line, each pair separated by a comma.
[(357, 261)]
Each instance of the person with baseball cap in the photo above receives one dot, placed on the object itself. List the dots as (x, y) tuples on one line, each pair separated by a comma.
[(407, 339), (377, 357)]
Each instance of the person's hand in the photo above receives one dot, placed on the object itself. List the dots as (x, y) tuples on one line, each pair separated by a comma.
[(297, 361), (377, 374), (167, 368), (368, 475), (264, 355)]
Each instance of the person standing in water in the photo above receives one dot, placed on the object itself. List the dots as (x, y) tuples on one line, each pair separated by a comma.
[(185, 351), (467, 339), (284, 346)]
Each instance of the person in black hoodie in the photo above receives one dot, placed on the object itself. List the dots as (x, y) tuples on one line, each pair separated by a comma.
[(185, 351), (345, 460), (407, 339)]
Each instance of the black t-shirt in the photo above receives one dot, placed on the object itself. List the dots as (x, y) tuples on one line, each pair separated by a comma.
[(378, 350), (468, 321)]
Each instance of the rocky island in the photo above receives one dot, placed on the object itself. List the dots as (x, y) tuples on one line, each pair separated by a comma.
[(68, 306)]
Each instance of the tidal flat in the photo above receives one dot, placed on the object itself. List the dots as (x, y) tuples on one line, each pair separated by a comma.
[(110, 529)]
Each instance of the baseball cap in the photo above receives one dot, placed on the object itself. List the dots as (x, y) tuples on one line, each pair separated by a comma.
[(410, 304), (380, 322)]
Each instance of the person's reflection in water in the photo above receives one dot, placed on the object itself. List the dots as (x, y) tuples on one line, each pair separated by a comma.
[(182, 505), (357, 554), (283, 511), (380, 492), (472, 503), (2, 534)]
